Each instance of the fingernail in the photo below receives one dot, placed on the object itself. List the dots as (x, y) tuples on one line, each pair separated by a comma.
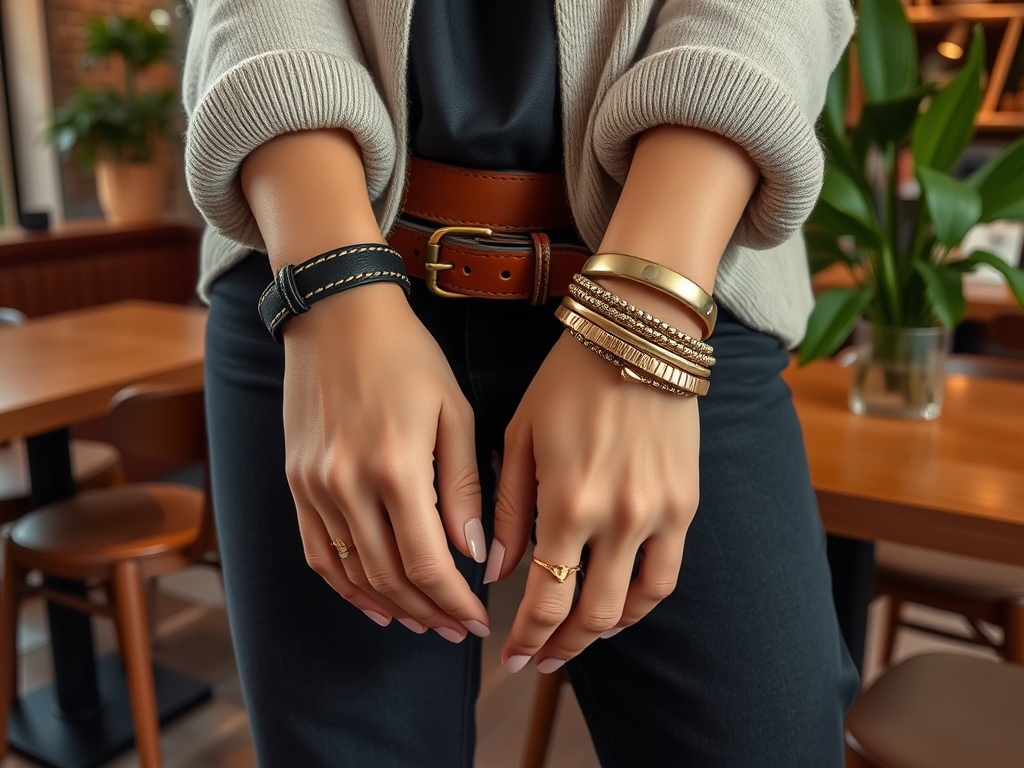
[(377, 618), (449, 634), (514, 663), (475, 539), (477, 628), (412, 624), (494, 561), (548, 666), (611, 633)]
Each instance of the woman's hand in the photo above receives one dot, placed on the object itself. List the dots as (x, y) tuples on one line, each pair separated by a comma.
[(369, 403), (610, 465)]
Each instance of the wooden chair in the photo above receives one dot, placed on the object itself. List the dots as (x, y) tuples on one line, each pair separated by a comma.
[(113, 539), (978, 590), (93, 464), (939, 711)]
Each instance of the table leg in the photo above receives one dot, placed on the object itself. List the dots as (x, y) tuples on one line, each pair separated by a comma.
[(83, 719), (852, 563)]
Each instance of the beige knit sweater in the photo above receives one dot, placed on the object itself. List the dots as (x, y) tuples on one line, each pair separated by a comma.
[(752, 70)]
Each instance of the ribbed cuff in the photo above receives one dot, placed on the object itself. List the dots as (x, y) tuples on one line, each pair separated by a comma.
[(270, 95), (721, 92)]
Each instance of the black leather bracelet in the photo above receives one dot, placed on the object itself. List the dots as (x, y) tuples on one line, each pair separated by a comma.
[(296, 287)]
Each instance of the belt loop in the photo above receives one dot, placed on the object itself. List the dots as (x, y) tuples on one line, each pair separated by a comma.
[(541, 268)]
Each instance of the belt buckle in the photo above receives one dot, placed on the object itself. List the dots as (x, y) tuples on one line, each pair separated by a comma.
[(433, 266)]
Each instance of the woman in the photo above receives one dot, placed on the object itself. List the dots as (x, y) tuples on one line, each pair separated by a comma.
[(685, 130)]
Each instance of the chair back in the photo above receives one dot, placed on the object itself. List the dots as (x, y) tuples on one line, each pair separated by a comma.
[(164, 421)]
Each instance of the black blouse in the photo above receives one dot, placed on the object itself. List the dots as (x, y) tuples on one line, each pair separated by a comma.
[(483, 84)]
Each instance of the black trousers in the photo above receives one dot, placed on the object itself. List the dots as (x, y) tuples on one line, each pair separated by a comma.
[(743, 666)]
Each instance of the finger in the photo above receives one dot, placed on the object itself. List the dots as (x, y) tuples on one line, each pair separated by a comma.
[(322, 557), (515, 505), (546, 603), (422, 545), (659, 573), (458, 480), (599, 607)]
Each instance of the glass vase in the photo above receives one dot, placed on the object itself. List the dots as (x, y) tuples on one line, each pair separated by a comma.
[(900, 372)]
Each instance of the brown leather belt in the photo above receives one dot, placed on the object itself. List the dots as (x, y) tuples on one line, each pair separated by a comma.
[(531, 251)]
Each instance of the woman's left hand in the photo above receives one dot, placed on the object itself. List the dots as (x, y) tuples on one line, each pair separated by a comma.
[(608, 464)]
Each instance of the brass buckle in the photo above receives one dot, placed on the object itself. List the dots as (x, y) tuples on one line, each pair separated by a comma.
[(433, 266)]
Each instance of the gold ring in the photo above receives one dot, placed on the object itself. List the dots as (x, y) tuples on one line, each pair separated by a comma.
[(560, 572), (342, 547)]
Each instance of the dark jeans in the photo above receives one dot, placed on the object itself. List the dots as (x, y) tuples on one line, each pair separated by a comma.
[(741, 667)]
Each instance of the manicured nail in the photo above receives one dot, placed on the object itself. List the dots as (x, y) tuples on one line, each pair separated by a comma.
[(475, 539), (378, 618), (413, 625), (477, 628), (612, 633), (494, 561), (449, 634), (514, 663), (548, 666)]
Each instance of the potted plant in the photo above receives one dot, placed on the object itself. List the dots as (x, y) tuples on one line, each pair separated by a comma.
[(120, 130), (908, 292)]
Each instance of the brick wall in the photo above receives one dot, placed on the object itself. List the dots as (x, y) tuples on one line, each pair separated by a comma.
[(65, 21)]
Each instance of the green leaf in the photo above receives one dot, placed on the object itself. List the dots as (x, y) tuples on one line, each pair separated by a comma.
[(954, 206), (832, 321), (1014, 276), (823, 250), (837, 96), (844, 209), (889, 121), (944, 131), (1000, 182), (886, 50), (946, 291)]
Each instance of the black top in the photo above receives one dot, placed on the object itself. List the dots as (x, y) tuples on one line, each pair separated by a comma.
[(483, 84)]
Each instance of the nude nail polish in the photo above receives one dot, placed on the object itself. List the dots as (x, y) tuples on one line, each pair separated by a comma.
[(413, 625), (477, 628), (449, 634), (475, 540), (494, 561), (611, 633), (514, 663), (548, 666), (377, 618)]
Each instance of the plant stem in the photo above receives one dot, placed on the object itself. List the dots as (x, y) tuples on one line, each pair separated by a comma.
[(890, 252)]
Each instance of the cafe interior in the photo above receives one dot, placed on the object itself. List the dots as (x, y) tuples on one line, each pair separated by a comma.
[(114, 637)]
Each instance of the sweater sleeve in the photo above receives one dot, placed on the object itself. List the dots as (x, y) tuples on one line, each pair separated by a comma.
[(754, 71), (256, 69)]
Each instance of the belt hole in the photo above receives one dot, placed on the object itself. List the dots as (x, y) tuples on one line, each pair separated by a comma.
[(415, 251), (505, 274), (467, 271)]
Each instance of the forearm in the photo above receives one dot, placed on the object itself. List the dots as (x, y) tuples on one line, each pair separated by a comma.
[(685, 193), (307, 191)]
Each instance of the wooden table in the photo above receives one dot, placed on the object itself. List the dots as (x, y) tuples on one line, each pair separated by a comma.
[(56, 371), (955, 484)]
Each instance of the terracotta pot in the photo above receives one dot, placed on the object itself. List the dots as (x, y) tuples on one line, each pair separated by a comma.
[(130, 193)]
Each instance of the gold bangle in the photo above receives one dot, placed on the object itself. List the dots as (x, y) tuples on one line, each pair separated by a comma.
[(683, 289), (635, 340), (630, 356), (628, 374), (588, 285), (652, 333)]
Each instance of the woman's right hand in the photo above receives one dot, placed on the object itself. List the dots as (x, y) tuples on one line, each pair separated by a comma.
[(369, 403)]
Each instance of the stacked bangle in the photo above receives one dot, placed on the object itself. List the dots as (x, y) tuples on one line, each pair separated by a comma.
[(296, 287), (648, 350)]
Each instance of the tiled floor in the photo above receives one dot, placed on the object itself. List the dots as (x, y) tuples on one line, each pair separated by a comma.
[(192, 635)]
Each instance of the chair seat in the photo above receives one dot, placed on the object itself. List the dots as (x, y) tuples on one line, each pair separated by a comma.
[(93, 464), (954, 574), (942, 711), (99, 527)]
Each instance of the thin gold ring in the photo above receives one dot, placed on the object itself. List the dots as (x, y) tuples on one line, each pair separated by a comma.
[(344, 550), (560, 572)]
